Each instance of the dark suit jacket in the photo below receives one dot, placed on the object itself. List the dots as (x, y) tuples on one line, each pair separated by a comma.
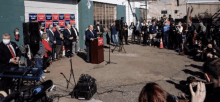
[(66, 35), (58, 39), (89, 35), (52, 37), (5, 55), (96, 29), (73, 33)]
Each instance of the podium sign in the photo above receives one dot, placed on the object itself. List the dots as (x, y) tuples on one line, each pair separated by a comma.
[(100, 41), (96, 51)]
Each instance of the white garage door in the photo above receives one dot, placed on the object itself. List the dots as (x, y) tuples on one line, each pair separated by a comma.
[(50, 8)]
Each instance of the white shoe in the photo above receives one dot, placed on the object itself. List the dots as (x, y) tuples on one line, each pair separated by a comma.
[(150, 44)]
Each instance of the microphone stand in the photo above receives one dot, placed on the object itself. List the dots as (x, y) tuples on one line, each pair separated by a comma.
[(109, 62)]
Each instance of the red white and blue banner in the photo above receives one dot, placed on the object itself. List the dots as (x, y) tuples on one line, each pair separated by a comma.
[(72, 16), (54, 19), (67, 16), (40, 17), (55, 23), (32, 17), (42, 23), (48, 22), (67, 22), (72, 21), (61, 16), (48, 17), (62, 23)]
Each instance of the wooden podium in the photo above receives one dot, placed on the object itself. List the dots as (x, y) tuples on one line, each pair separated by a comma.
[(96, 51)]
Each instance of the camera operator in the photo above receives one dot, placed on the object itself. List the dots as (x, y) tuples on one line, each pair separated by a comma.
[(211, 71)]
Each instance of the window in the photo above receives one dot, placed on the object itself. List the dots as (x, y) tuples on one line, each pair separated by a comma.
[(104, 13), (142, 14)]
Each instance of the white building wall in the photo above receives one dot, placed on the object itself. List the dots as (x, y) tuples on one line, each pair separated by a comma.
[(51, 8)]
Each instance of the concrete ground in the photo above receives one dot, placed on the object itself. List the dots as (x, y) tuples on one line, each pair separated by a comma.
[(122, 82)]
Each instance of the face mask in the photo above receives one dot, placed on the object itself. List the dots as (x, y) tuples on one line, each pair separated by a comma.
[(6, 41)]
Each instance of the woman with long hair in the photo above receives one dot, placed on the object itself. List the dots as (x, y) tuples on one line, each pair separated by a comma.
[(132, 27)]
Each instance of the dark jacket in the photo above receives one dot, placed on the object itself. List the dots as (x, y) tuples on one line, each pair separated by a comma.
[(58, 39), (133, 28), (96, 29), (5, 55), (74, 34), (89, 35), (52, 37), (67, 35), (113, 30), (153, 29)]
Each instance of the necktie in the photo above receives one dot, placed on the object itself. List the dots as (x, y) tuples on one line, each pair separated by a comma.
[(12, 52)]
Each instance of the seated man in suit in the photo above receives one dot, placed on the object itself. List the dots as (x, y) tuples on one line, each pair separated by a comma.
[(90, 35), (9, 53)]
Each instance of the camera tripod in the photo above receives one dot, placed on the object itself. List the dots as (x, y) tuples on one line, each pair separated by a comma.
[(121, 46)]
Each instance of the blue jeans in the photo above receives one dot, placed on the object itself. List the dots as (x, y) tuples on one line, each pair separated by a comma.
[(38, 63), (88, 54), (115, 39), (166, 40), (75, 46)]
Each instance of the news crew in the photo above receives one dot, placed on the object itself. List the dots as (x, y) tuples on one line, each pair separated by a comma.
[(90, 35), (9, 53)]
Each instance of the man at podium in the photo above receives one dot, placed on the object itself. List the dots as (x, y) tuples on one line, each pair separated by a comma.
[(90, 35)]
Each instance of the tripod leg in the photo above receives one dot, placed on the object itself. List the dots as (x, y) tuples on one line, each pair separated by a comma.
[(68, 81)]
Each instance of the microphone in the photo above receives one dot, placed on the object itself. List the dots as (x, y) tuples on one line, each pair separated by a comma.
[(43, 87)]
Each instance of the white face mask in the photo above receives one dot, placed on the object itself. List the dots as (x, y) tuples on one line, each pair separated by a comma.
[(6, 41)]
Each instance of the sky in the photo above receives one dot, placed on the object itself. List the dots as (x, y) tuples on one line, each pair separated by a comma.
[(195, 0)]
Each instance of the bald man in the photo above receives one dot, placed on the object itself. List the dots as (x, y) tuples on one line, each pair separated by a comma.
[(90, 35)]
